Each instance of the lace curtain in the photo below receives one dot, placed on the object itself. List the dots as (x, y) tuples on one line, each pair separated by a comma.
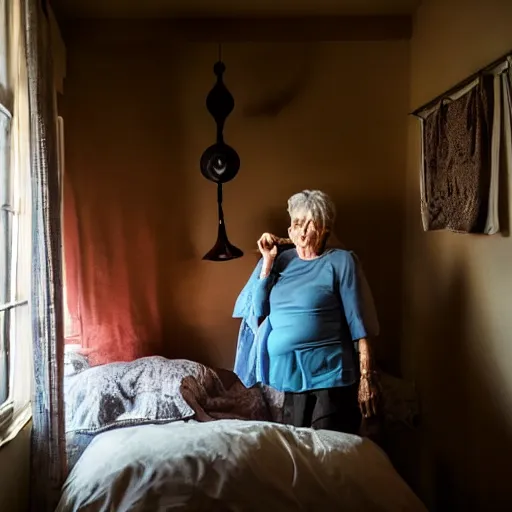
[(48, 444)]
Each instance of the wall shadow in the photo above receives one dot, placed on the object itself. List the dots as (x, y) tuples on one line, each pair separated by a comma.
[(375, 233), (275, 102), (458, 458), (468, 413)]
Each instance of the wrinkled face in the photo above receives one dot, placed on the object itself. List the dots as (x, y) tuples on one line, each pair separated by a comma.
[(304, 233)]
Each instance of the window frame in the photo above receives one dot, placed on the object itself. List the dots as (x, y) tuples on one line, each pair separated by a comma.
[(6, 210), (11, 207)]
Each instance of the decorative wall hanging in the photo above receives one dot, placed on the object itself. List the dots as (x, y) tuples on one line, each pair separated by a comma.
[(220, 163), (465, 142)]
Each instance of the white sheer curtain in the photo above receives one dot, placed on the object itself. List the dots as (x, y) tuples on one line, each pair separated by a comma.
[(17, 410), (506, 147), (21, 327)]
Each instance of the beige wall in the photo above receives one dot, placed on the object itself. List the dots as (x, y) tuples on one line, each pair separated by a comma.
[(458, 321), (14, 473), (136, 125)]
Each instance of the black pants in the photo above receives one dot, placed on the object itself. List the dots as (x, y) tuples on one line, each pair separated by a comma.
[(329, 409)]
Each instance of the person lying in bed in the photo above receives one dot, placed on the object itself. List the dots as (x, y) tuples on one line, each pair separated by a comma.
[(319, 305)]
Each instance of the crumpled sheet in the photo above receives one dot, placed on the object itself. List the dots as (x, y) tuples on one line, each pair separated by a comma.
[(233, 465), (230, 400)]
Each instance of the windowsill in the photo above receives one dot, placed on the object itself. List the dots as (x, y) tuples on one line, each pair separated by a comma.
[(15, 425)]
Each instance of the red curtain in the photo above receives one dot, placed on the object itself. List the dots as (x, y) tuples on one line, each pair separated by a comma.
[(111, 311)]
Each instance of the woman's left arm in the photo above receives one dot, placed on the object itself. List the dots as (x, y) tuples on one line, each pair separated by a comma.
[(362, 320), (365, 356), (369, 391)]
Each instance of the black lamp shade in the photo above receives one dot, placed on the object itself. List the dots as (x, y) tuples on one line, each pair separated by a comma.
[(223, 250)]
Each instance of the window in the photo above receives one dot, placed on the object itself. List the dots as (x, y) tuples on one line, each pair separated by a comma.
[(15, 226), (6, 253)]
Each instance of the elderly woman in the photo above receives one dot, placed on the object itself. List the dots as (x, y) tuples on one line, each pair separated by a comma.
[(319, 305)]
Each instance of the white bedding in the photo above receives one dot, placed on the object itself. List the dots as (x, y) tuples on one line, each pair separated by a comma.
[(232, 465)]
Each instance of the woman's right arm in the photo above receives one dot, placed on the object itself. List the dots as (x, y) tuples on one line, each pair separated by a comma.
[(267, 244), (261, 293)]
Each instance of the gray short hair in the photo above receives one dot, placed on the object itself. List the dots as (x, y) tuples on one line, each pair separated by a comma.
[(317, 203)]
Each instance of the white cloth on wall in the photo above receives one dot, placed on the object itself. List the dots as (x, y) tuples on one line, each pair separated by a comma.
[(506, 153), (500, 142)]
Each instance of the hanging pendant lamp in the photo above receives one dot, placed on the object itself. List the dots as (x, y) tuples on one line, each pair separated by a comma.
[(220, 163)]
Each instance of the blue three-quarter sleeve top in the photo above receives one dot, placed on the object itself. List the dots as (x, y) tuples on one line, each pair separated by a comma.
[(317, 309)]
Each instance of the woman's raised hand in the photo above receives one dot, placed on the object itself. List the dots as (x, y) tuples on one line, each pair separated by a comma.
[(267, 245)]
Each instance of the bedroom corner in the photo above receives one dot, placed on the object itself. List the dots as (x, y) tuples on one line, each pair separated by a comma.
[(149, 361)]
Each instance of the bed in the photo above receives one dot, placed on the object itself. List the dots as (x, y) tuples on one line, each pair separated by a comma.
[(157, 435), (233, 465), (153, 390)]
